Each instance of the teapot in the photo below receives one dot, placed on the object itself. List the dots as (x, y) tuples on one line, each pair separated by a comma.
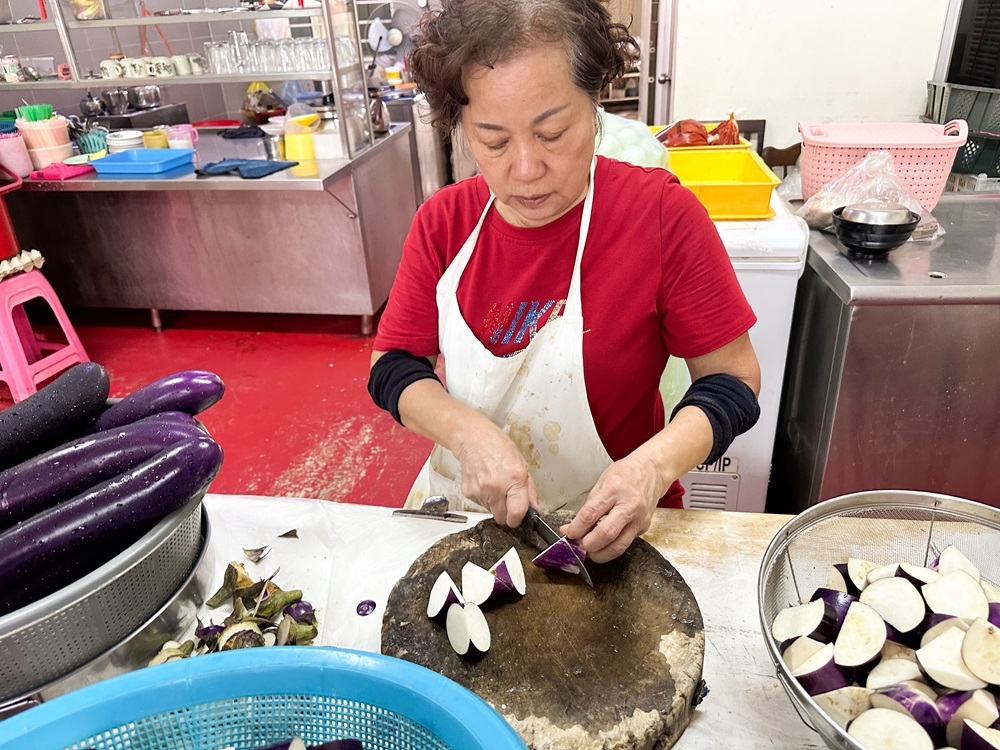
[(91, 105), (379, 112)]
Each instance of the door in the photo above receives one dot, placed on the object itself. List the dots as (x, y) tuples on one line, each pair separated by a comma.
[(660, 24)]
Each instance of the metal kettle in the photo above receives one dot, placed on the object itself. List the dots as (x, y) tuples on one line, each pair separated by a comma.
[(91, 105), (379, 112)]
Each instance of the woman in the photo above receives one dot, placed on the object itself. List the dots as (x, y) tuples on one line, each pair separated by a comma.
[(555, 285)]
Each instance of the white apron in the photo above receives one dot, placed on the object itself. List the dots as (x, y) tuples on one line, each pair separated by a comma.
[(537, 396)]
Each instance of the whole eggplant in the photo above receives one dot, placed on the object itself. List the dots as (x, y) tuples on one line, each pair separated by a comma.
[(55, 413), (190, 391), (67, 470), (133, 501)]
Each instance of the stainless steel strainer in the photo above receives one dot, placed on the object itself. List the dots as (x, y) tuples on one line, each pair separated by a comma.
[(46, 640), (883, 526)]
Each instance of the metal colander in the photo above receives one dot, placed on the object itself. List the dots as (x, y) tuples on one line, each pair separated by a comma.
[(883, 526), (50, 638)]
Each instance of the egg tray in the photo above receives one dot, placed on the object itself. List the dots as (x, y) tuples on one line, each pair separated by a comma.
[(59, 634)]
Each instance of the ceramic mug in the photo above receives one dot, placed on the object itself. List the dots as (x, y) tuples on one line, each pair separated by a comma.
[(197, 63), (135, 67), (182, 65), (163, 67), (110, 69)]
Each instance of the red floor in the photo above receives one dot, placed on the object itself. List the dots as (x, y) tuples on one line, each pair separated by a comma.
[(296, 420)]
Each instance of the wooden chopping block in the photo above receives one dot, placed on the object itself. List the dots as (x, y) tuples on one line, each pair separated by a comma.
[(617, 666)]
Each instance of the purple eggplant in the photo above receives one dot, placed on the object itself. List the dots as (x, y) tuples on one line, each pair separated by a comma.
[(132, 501), (58, 412), (190, 391), (65, 471)]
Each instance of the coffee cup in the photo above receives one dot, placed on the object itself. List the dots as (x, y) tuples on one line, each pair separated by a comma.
[(197, 63), (182, 65), (111, 69), (135, 67), (163, 67)]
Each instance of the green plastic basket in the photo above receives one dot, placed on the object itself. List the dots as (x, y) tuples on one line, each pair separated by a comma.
[(253, 697)]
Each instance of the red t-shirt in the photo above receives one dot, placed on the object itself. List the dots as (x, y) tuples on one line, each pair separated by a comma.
[(655, 281)]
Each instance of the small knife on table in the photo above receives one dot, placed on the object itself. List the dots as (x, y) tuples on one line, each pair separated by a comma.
[(550, 536)]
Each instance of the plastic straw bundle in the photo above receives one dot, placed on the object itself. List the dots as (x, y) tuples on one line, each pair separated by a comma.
[(14, 154), (44, 133), (34, 112)]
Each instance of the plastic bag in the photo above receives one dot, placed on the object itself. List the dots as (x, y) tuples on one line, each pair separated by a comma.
[(726, 133), (872, 178), (628, 140), (684, 133)]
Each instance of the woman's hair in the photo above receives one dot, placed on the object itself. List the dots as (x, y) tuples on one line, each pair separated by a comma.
[(490, 32)]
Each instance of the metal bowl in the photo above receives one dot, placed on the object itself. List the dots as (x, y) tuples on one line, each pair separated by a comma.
[(883, 526), (144, 97), (877, 212)]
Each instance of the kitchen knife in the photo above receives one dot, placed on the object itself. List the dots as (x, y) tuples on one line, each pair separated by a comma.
[(550, 536)]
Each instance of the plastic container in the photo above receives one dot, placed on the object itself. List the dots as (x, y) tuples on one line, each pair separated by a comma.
[(44, 133), (744, 143), (733, 184), (254, 697), (14, 154), (923, 153), (979, 107), (299, 147), (144, 161), (42, 157), (979, 155)]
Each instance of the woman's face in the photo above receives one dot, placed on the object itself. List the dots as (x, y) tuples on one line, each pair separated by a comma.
[(532, 133)]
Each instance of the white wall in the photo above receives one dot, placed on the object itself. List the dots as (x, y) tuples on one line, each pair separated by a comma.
[(811, 60)]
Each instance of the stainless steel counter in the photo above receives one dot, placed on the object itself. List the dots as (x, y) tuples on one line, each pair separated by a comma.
[(963, 265), (891, 377), (316, 174)]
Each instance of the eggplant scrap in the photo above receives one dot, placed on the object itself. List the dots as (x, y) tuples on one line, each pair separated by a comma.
[(263, 615)]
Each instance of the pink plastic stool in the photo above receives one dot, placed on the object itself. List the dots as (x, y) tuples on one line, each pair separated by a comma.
[(25, 359)]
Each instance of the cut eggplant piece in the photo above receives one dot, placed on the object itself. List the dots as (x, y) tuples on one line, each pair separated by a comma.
[(817, 619), (861, 638), (468, 631), (977, 705), (977, 737), (956, 593), (994, 615), (845, 704), (917, 575), (942, 664), (837, 580), (939, 624), (893, 650), (841, 601), (479, 585), (564, 555), (991, 591), (892, 671), (897, 601), (857, 572), (509, 570), (885, 729), (820, 674), (882, 571), (799, 650), (952, 559), (912, 698), (981, 651), (444, 593)]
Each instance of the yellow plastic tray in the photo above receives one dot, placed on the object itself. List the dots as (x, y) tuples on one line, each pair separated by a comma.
[(732, 185), (744, 143)]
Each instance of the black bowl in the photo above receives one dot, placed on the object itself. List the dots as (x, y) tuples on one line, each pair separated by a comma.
[(872, 241)]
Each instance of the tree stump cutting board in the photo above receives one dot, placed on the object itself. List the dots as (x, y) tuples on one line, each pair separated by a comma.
[(618, 666)]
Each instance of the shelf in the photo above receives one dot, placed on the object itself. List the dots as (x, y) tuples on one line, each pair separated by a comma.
[(90, 83), (34, 85), (13, 28), (116, 23)]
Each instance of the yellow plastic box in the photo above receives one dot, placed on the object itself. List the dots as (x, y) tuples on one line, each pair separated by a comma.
[(744, 143), (731, 184)]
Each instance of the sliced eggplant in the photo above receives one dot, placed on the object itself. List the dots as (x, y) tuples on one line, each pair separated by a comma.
[(994, 616), (857, 572), (893, 650), (479, 585), (885, 729), (991, 591), (916, 574), (891, 672), (942, 664), (443, 594), (845, 704), (841, 601), (977, 705), (799, 650), (817, 619), (468, 631), (510, 572), (837, 579), (952, 559), (912, 698), (937, 624), (977, 737), (820, 674), (861, 638), (882, 571), (956, 593), (981, 651), (897, 601)]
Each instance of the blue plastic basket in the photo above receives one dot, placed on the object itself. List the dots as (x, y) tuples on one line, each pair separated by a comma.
[(253, 697)]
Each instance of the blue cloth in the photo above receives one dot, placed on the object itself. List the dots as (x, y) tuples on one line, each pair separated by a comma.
[(251, 169), (243, 131)]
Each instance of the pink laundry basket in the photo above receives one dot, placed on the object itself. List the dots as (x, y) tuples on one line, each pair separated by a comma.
[(923, 153)]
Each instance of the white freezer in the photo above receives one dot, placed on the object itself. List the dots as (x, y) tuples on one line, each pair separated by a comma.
[(768, 256)]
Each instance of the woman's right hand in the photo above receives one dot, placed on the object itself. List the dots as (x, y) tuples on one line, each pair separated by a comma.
[(494, 472)]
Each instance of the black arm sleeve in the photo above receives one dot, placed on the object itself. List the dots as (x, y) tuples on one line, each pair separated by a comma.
[(390, 376), (729, 404)]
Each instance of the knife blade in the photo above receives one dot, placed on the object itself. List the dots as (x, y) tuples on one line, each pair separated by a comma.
[(551, 536)]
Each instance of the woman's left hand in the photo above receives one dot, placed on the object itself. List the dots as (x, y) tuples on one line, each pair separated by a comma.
[(617, 510)]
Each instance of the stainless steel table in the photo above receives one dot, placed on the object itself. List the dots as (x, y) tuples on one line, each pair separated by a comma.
[(349, 553)]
